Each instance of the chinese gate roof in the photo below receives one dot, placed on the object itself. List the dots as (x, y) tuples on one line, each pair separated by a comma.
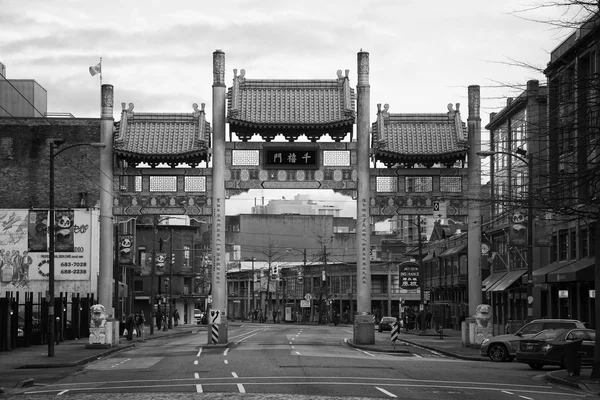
[(156, 138), (291, 108), (419, 138)]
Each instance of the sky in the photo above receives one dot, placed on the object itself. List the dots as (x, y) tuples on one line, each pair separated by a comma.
[(158, 55)]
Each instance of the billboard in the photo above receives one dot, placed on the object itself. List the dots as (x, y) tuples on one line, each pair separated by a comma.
[(24, 257)]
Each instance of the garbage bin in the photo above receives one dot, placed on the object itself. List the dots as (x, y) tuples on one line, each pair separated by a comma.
[(573, 357)]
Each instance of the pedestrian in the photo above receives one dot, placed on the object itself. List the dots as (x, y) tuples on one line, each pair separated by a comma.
[(136, 319), (261, 317), (130, 326), (255, 315), (418, 325), (274, 316), (176, 317), (140, 324), (158, 320)]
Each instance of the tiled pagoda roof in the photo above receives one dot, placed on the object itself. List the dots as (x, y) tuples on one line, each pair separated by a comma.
[(419, 138), (290, 107), (169, 138)]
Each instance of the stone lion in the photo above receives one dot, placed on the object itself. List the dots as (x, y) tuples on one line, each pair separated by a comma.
[(98, 318), (483, 315)]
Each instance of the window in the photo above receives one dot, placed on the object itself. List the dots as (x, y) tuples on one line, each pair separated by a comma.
[(186, 255), (573, 245), (387, 184), (583, 243), (554, 249), (163, 183), (138, 286), (563, 244), (451, 184)]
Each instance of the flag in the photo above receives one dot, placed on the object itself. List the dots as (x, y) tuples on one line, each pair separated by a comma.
[(96, 69)]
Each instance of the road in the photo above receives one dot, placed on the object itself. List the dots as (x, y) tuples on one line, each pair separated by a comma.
[(291, 362)]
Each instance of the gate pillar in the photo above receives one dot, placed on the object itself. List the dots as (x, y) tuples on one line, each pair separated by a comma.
[(219, 276), (363, 334)]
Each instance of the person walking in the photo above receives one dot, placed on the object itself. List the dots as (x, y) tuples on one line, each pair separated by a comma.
[(176, 317), (140, 324), (130, 326)]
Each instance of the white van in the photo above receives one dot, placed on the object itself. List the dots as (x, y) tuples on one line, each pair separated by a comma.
[(198, 315)]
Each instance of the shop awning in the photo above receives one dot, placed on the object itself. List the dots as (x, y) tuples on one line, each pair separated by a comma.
[(508, 280), (582, 270), (540, 274), (492, 280), (453, 250)]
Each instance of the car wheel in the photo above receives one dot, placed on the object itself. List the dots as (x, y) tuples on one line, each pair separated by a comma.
[(498, 353), (537, 366)]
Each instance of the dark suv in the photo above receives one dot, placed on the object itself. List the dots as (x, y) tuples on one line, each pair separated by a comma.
[(504, 347)]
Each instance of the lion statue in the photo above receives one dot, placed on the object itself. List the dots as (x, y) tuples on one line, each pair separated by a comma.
[(483, 315), (98, 318)]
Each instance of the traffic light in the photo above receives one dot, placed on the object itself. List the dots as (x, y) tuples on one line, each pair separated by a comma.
[(274, 270), (323, 276), (173, 258)]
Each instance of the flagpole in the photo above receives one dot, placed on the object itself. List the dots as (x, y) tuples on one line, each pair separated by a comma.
[(100, 72)]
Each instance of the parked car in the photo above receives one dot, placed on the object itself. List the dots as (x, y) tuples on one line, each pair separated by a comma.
[(504, 347), (548, 347), (386, 324)]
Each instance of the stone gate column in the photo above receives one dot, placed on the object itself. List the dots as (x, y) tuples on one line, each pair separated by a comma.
[(219, 276), (474, 195), (105, 275), (364, 329)]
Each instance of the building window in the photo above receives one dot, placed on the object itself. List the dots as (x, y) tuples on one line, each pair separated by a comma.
[(138, 286), (592, 240), (583, 243), (563, 244), (573, 245), (419, 184), (554, 249), (336, 158), (186, 255)]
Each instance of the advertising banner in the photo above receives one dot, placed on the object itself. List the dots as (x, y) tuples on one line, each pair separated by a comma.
[(23, 249)]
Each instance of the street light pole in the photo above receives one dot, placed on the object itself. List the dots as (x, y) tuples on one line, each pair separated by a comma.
[(54, 143)]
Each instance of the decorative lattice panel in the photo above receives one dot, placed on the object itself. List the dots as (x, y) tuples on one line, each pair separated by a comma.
[(451, 184), (336, 158), (419, 184), (163, 183), (387, 184), (137, 183), (245, 157), (195, 184)]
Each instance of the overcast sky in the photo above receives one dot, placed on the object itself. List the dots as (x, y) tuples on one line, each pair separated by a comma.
[(158, 54)]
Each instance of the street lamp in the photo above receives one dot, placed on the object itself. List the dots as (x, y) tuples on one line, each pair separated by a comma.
[(520, 155), (288, 250), (54, 144)]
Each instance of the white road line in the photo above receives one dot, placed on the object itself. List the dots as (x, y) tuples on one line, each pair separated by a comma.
[(61, 393), (241, 388), (247, 337), (526, 398), (298, 353), (195, 362), (226, 362), (199, 352), (386, 392), (225, 352), (507, 392), (234, 375), (199, 389), (196, 375), (369, 354)]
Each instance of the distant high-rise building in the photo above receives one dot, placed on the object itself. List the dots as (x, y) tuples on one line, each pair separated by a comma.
[(300, 205), (21, 97)]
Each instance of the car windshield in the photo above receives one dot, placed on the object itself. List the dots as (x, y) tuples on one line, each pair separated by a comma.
[(388, 319)]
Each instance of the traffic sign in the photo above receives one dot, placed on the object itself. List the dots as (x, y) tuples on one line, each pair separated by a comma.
[(440, 210)]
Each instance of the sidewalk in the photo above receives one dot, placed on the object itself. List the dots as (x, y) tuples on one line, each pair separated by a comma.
[(451, 345)]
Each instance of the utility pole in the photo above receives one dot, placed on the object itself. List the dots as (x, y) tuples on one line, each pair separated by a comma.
[(172, 263)]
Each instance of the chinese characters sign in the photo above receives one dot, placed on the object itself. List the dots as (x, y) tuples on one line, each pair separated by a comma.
[(409, 276), (299, 158)]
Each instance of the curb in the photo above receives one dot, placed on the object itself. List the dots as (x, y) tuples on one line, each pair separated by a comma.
[(445, 352), (374, 349)]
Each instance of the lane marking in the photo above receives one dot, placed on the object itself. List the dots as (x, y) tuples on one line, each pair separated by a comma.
[(226, 362), (526, 398), (196, 375), (234, 375), (199, 352), (247, 337), (241, 388), (225, 352), (369, 354), (195, 362), (199, 389), (61, 393), (507, 392), (390, 394), (297, 352)]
